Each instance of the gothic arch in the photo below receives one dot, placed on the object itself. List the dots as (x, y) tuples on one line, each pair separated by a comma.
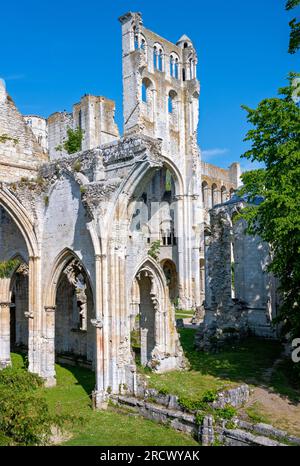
[(20, 216), (6, 283), (61, 261)]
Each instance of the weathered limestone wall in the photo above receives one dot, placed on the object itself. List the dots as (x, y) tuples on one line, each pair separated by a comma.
[(11, 240), (20, 152), (57, 124), (39, 129), (93, 114), (239, 290)]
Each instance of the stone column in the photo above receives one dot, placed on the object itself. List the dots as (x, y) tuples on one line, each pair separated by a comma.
[(34, 315), (144, 356), (4, 335), (49, 371), (99, 395)]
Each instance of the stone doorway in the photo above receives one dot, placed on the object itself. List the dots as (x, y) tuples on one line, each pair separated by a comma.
[(142, 319), (74, 333), (19, 305)]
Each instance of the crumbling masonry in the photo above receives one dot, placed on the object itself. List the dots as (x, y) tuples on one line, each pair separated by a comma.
[(107, 241)]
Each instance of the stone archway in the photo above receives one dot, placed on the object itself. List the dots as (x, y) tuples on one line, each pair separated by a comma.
[(159, 344), (69, 316), (170, 272), (19, 309), (74, 309)]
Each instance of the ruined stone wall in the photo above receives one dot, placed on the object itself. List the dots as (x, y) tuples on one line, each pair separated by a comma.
[(58, 123), (39, 129), (95, 116), (218, 184), (239, 290), (11, 240), (20, 152)]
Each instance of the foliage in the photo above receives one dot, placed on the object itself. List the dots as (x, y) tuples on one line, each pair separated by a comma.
[(73, 141), (77, 166), (275, 140), (210, 396), (294, 43), (228, 412), (24, 415), (15, 379), (6, 137), (154, 249), (7, 267)]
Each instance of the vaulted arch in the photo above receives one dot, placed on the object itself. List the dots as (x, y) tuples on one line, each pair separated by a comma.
[(22, 219)]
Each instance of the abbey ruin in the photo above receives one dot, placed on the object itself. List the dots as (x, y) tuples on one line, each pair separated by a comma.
[(112, 238)]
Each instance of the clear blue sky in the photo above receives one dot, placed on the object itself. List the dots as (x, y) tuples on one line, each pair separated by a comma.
[(51, 53)]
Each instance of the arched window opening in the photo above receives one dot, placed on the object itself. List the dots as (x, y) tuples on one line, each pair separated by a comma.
[(171, 65), (144, 92), (158, 57), (231, 193), (172, 102), (223, 194), (183, 74), (204, 194), (185, 45), (176, 68), (214, 194), (160, 60), (154, 57), (136, 42)]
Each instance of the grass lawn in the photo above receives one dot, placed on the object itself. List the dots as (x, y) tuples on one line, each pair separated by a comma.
[(243, 362), (248, 361), (183, 314), (111, 427)]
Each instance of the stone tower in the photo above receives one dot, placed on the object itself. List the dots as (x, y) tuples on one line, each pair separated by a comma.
[(160, 87)]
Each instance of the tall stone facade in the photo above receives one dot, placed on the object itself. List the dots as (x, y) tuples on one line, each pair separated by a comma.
[(241, 296), (107, 241)]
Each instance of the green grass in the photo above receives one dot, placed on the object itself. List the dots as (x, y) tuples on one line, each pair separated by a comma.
[(243, 362), (255, 414), (111, 427), (182, 313)]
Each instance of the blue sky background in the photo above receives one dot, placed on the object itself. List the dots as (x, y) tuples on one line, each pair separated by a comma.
[(51, 53)]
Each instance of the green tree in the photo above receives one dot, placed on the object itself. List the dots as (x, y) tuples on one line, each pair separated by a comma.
[(275, 137), (73, 141), (294, 43)]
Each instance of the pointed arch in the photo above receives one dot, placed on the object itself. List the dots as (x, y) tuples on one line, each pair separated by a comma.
[(22, 219), (61, 261)]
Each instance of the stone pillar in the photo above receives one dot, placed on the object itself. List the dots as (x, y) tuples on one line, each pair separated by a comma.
[(144, 358), (4, 335), (49, 370), (34, 315), (100, 323)]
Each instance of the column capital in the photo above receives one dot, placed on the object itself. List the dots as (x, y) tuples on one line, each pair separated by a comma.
[(33, 258), (50, 308), (98, 257), (4, 304), (98, 323)]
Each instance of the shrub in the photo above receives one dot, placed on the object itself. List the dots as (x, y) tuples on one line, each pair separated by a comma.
[(24, 415), (226, 413), (209, 396)]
